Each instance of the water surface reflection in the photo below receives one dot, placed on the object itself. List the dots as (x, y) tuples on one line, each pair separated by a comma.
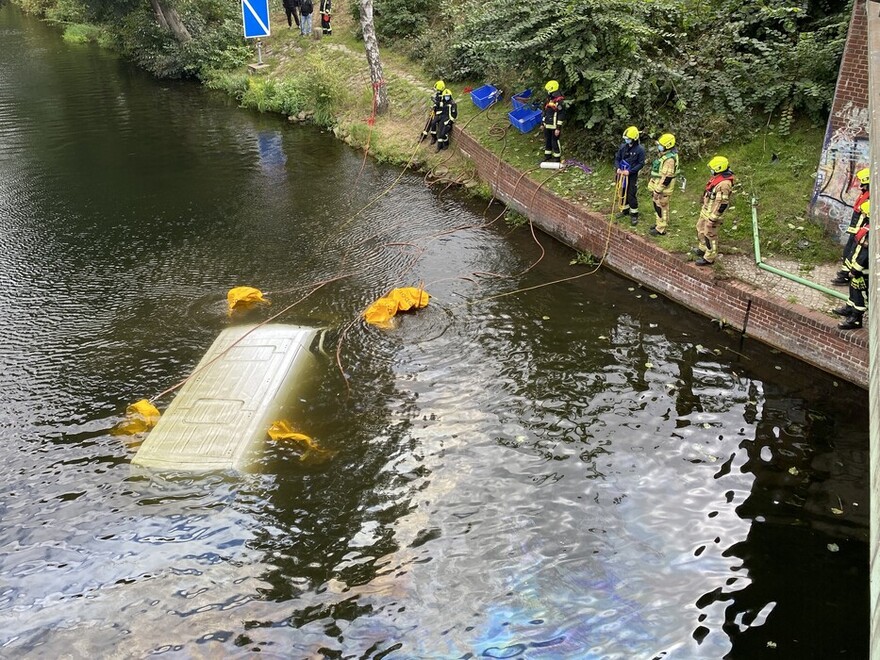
[(581, 471)]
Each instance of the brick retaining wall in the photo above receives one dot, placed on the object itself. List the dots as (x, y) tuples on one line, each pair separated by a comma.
[(845, 148), (810, 336)]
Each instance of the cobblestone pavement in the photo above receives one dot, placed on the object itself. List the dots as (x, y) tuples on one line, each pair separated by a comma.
[(742, 267)]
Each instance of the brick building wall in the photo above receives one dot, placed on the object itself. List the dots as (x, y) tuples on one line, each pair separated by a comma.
[(845, 150), (803, 333)]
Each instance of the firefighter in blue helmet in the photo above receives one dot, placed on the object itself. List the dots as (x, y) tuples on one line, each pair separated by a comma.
[(628, 162), (554, 116)]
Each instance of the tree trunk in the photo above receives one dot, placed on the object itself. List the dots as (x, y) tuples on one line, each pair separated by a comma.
[(380, 92), (169, 19)]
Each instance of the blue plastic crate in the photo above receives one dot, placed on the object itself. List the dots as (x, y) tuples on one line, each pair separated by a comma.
[(485, 96), (521, 100), (524, 119)]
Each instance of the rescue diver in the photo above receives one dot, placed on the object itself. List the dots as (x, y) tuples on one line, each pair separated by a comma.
[(716, 200), (436, 101), (857, 265), (856, 221), (553, 117), (664, 170), (630, 159), (446, 118)]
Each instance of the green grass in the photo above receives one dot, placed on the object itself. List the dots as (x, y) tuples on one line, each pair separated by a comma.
[(776, 170), (329, 78), (83, 33)]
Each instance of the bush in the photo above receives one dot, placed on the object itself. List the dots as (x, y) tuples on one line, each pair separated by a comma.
[(323, 87), (234, 83), (702, 70), (401, 19), (67, 11), (270, 95), (81, 33)]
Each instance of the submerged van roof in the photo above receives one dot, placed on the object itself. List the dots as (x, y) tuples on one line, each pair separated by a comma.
[(224, 410)]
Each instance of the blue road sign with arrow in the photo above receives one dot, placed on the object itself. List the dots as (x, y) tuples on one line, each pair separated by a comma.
[(256, 18)]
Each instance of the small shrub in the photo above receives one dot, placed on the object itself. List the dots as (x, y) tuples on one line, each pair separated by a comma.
[(323, 88), (66, 11), (36, 7), (234, 83), (514, 219), (583, 259), (82, 33)]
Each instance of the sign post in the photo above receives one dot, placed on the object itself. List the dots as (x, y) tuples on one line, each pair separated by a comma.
[(255, 20)]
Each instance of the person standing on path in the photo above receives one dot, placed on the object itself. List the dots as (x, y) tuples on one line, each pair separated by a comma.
[(554, 116), (306, 8), (716, 200), (855, 223), (325, 17), (291, 8), (436, 100), (447, 117), (628, 162), (664, 169), (858, 265)]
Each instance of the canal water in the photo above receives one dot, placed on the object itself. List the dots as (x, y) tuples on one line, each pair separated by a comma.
[(582, 470)]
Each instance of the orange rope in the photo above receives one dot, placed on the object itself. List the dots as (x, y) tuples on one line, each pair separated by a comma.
[(259, 325)]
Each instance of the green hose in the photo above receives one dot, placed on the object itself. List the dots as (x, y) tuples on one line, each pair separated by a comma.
[(780, 272)]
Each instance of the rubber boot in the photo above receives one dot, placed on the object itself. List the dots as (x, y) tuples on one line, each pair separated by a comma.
[(852, 322), (653, 231), (843, 310), (841, 279), (633, 219)]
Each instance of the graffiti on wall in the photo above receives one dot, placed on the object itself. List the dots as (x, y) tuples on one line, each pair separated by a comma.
[(844, 153)]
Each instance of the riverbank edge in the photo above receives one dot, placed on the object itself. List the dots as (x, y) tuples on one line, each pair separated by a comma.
[(805, 334)]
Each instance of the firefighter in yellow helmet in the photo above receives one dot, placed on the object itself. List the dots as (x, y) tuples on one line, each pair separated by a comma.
[(553, 118), (716, 200), (663, 172), (628, 162), (857, 264), (446, 118), (436, 111), (856, 221)]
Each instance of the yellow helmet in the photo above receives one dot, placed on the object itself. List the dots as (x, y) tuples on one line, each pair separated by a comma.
[(667, 140), (864, 176), (439, 85), (632, 133), (718, 164), (552, 86), (866, 208)]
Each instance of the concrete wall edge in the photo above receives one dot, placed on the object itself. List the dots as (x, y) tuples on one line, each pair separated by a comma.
[(791, 328)]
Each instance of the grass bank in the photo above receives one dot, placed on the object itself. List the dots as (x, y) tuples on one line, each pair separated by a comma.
[(326, 81)]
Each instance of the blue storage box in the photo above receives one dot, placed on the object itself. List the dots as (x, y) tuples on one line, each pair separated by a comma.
[(524, 119), (485, 96), (522, 99)]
